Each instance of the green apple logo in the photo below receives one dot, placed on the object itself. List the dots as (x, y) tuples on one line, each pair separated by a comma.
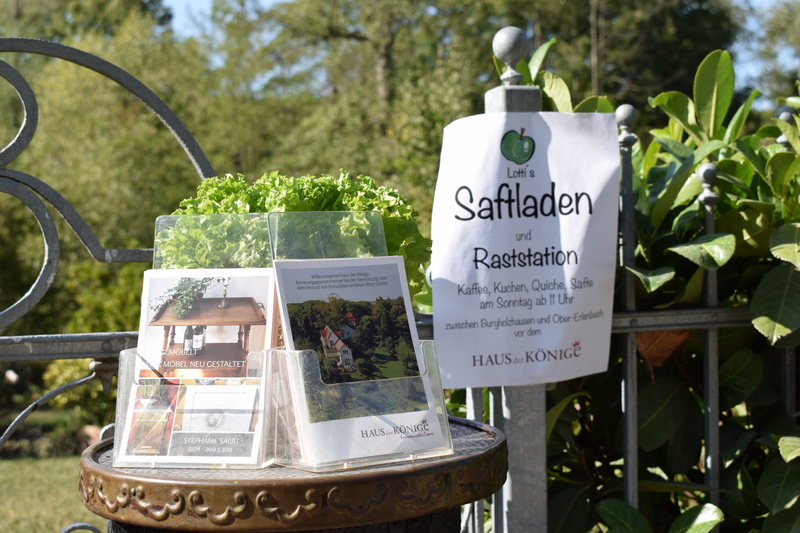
[(517, 148)]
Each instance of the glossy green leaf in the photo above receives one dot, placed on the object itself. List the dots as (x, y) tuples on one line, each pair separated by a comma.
[(555, 93), (688, 221), (685, 446), (621, 517), (535, 64), (739, 376), (522, 68), (693, 290), (780, 172), (680, 108), (776, 302), (784, 243), (769, 131), (661, 411), (759, 164), (666, 200), (567, 511), (779, 485), (738, 497), (789, 447), (676, 148), (650, 157), (737, 172), (691, 188), (653, 279), (787, 521), (709, 251), (790, 131), (698, 519), (672, 131), (554, 412), (739, 118), (751, 224), (713, 91), (595, 104)]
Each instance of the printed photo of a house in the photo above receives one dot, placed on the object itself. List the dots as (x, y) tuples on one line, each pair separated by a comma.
[(335, 348), (355, 314)]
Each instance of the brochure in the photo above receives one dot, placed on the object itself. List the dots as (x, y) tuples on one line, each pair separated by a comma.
[(194, 391), (360, 388), (202, 323)]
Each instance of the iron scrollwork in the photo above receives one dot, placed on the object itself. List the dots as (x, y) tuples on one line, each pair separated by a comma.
[(35, 194), (31, 190)]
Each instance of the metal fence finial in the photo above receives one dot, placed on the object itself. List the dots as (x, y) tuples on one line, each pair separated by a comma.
[(510, 45), (626, 117), (707, 174), (786, 114)]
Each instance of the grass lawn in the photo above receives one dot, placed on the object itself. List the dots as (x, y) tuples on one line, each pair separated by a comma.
[(41, 496), (392, 368), (388, 365)]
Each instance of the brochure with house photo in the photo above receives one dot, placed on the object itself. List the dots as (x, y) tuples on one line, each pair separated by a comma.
[(365, 391), (196, 392)]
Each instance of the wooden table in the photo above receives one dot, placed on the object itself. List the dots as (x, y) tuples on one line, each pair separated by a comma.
[(243, 312), (422, 496)]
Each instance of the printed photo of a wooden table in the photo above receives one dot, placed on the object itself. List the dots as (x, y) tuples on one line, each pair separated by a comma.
[(213, 359)]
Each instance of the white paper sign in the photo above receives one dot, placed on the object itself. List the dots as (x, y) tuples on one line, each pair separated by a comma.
[(524, 241)]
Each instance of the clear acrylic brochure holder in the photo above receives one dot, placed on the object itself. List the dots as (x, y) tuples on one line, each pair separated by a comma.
[(321, 427), (326, 234), (236, 240), (226, 240), (288, 432), (187, 426), (164, 423)]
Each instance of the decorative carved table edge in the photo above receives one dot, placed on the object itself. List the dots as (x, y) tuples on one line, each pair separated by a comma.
[(287, 499)]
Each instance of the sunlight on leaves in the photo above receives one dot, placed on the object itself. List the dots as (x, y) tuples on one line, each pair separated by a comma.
[(709, 251)]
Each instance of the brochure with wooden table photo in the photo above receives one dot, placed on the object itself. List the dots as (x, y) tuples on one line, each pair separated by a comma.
[(197, 392), (362, 389)]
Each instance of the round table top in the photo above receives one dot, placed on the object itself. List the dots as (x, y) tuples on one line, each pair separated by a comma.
[(280, 498)]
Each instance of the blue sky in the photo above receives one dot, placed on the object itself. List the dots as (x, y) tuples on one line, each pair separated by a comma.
[(184, 10)]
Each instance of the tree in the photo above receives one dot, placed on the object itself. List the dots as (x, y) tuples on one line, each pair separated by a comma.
[(633, 49), (406, 355), (777, 47), (57, 20), (365, 333), (365, 369)]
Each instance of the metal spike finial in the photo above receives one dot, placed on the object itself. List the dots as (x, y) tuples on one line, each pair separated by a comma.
[(510, 45), (707, 174), (626, 118), (786, 114)]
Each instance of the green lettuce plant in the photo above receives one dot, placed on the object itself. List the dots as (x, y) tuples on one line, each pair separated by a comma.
[(239, 242)]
